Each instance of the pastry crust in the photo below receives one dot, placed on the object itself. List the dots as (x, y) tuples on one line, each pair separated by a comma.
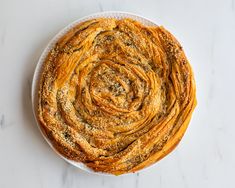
[(116, 95)]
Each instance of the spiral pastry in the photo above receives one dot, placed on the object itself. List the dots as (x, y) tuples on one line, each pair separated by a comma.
[(116, 95)]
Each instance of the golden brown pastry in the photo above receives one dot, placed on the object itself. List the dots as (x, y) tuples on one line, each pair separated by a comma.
[(116, 95)]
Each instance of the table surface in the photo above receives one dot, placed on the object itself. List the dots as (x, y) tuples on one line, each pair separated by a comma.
[(206, 155)]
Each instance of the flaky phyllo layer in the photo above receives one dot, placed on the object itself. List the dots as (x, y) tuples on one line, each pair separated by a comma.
[(116, 95)]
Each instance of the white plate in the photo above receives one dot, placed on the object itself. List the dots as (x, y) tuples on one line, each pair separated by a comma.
[(36, 77)]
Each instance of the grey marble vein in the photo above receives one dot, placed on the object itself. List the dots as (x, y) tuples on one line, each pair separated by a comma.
[(212, 67), (66, 181), (181, 172), (218, 151), (211, 92), (137, 180), (2, 122), (101, 9)]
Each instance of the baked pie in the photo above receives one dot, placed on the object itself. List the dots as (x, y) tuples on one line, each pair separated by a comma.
[(115, 95)]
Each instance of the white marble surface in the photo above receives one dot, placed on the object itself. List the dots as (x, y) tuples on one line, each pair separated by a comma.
[(206, 155)]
